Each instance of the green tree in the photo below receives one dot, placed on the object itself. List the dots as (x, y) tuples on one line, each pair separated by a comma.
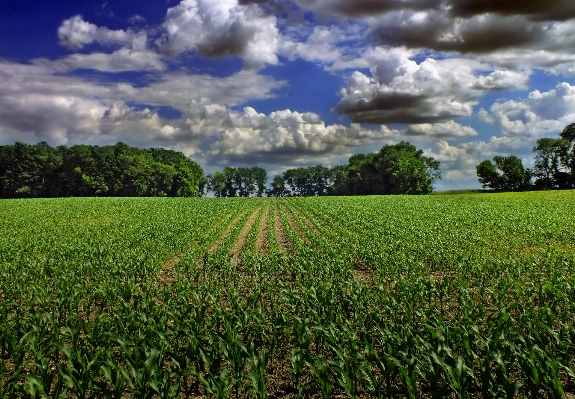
[(568, 159), (404, 170), (260, 178), (278, 187), (217, 184), (550, 157), (488, 175), (508, 173), (513, 174)]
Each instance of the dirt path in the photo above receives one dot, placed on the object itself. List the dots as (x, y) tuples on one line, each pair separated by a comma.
[(262, 239), (293, 223), (281, 236), (308, 222), (364, 274), (167, 275), (232, 224), (240, 243)]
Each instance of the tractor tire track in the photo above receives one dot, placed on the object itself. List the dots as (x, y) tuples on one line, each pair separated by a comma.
[(262, 238), (282, 238), (240, 243), (214, 247), (167, 275)]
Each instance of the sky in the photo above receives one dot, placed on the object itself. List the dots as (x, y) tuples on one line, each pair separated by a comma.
[(290, 83)]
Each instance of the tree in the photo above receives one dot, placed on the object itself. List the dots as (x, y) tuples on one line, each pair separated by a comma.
[(217, 184), (83, 170), (550, 157), (278, 187), (404, 170), (260, 178), (513, 174), (340, 180), (488, 175), (240, 182), (508, 173), (568, 160)]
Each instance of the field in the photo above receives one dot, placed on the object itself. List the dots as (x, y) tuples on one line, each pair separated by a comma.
[(460, 296)]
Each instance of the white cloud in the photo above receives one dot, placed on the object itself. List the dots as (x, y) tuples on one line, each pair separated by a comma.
[(403, 91), (180, 90), (286, 134), (75, 33), (445, 129), (121, 60), (39, 104), (540, 114), (219, 28)]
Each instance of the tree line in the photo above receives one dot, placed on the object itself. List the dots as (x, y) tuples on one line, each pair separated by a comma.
[(39, 170), (394, 169), (84, 170), (553, 167)]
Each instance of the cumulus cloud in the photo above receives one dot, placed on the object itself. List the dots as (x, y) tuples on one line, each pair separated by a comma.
[(445, 129), (458, 161), (121, 60), (476, 28), (540, 114), (221, 28), (75, 33), (403, 91), (359, 8), (39, 104), (179, 90), (556, 10), (286, 134)]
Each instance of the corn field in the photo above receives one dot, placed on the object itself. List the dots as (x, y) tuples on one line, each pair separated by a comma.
[(464, 296)]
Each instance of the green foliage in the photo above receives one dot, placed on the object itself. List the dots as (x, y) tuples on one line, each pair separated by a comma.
[(238, 182), (88, 171), (550, 155), (507, 173), (395, 169), (380, 296), (554, 165)]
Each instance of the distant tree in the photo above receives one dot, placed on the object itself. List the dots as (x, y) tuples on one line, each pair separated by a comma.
[(308, 182), (404, 170), (488, 175), (568, 160), (278, 187), (508, 173), (340, 180), (513, 173), (28, 170), (83, 170), (550, 157), (238, 182), (260, 178), (217, 184)]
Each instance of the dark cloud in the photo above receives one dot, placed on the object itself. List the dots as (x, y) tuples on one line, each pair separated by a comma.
[(480, 34), (272, 7), (536, 10), (372, 7), (231, 42), (539, 10), (394, 108)]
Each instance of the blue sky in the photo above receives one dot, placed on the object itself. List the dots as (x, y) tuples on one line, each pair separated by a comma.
[(290, 83)]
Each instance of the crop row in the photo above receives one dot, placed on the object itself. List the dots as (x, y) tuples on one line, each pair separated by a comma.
[(418, 297)]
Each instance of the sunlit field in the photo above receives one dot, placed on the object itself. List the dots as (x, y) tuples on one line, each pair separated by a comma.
[(459, 296)]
